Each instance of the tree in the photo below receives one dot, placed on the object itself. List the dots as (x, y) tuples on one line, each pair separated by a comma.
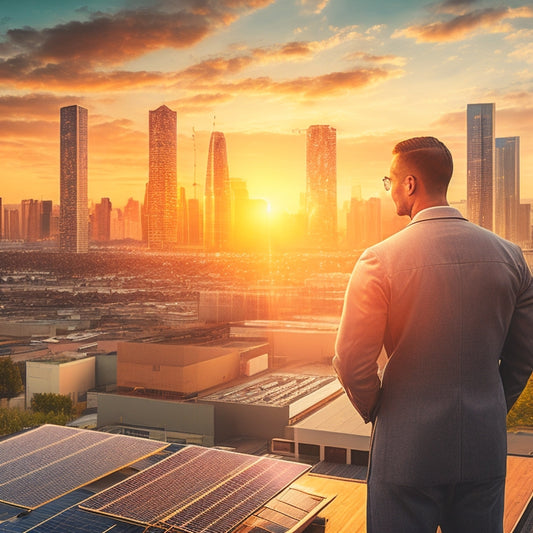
[(10, 380), (48, 402)]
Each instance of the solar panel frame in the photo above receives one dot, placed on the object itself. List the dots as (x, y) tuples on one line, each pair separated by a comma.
[(77, 458), (230, 488)]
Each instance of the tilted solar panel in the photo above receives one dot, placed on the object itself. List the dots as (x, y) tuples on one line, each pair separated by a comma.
[(45, 463), (197, 490)]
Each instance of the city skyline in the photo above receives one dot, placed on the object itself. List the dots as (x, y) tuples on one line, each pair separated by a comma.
[(267, 70)]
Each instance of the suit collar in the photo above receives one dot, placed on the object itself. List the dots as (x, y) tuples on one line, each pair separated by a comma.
[(440, 212)]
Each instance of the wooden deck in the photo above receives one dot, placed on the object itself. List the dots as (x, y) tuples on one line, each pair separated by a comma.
[(346, 513)]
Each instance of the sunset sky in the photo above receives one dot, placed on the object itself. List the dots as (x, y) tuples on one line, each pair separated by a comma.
[(262, 71)]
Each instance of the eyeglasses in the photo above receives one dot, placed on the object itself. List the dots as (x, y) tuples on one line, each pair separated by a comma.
[(387, 182)]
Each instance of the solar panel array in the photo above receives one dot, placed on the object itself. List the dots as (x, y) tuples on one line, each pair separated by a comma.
[(291, 511), (42, 464), (197, 490)]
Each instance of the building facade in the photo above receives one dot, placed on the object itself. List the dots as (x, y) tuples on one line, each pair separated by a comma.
[(74, 212), (217, 195), (507, 187), (480, 164), (321, 193), (162, 179)]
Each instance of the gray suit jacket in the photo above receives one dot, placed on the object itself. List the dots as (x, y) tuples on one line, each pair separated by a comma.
[(453, 305)]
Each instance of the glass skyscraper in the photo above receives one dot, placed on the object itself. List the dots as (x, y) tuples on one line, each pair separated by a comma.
[(162, 179), (507, 187), (321, 195), (480, 164), (217, 195), (74, 211)]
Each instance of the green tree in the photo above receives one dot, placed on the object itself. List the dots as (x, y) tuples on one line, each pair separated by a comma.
[(522, 412), (10, 380), (48, 402), (13, 420)]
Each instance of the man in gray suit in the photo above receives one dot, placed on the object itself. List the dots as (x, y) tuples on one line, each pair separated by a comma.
[(453, 305)]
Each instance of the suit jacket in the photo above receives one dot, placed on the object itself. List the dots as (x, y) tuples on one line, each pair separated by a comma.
[(453, 305)]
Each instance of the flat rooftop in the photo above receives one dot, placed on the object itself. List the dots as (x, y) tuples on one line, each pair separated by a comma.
[(279, 389)]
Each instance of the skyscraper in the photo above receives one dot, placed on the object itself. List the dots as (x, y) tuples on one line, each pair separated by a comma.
[(46, 218), (162, 179), (507, 187), (217, 195), (102, 220), (480, 163), (74, 211), (321, 195)]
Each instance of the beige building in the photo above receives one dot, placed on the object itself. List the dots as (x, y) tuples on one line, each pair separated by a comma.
[(66, 375), (184, 369)]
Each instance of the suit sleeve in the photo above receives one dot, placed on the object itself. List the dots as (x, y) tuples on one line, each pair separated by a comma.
[(361, 334), (516, 361)]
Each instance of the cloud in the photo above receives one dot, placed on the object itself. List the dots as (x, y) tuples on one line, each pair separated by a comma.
[(38, 105), (461, 26), (63, 55), (307, 87), (314, 6), (456, 7), (379, 60), (199, 103)]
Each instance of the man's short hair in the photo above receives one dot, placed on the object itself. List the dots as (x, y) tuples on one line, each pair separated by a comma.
[(430, 157)]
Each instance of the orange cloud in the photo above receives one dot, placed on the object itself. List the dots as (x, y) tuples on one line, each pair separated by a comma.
[(459, 27), (64, 55), (312, 87), (38, 105)]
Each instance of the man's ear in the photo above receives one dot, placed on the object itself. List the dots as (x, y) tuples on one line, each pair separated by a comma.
[(410, 183)]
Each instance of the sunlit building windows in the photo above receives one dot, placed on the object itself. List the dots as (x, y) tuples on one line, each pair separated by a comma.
[(217, 195), (480, 164), (321, 194), (74, 212), (162, 179)]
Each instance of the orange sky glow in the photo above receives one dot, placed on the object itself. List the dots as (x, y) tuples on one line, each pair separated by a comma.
[(261, 71)]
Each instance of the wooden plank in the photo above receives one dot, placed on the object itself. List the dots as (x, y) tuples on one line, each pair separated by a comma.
[(347, 512)]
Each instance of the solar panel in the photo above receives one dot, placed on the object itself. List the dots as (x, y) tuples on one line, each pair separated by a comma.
[(289, 512), (197, 490), (42, 464)]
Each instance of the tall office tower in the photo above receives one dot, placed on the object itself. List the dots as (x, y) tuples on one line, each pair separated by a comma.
[(525, 236), (195, 221), (363, 227), (74, 210), (12, 224), (507, 187), (102, 220), (162, 179), (321, 194), (217, 195), (183, 222), (46, 218), (480, 163), (132, 220), (116, 225), (30, 214)]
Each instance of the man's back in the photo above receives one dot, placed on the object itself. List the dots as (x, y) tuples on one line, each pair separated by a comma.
[(452, 288)]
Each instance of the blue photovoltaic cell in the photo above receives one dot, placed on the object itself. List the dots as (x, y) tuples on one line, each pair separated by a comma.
[(42, 464), (198, 490)]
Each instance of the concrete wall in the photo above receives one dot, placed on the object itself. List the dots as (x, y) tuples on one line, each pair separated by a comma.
[(187, 418), (71, 378), (305, 345), (256, 421), (105, 370)]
